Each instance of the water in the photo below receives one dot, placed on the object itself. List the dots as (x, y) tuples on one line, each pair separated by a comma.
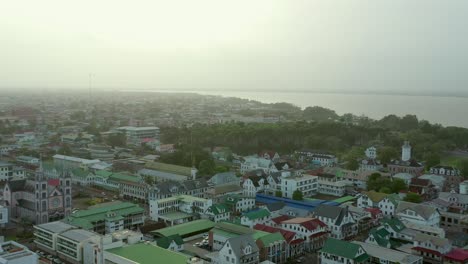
[(448, 111)]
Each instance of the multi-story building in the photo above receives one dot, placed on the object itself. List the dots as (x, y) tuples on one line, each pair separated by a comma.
[(313, 231), (259, 216), (307, 184), (430, 248), (252, 163), (28, 160), (15, 253), (45, 235), (238, 250), (406, 164), (178, 209), (455, 199), (3, 216), (387, 203), (329, 184), (101, 152), (109, 217), (453, 221), (324, 160), (444, 170), (218, 213), (379, 254), (418, 213), (70, 244), (40, 200), (138, 135), (238, 203), (6, 170), (69, 162), (166, 189), (339, 220)]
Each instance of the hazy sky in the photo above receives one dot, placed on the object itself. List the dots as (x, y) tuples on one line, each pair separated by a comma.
[(319, 45)]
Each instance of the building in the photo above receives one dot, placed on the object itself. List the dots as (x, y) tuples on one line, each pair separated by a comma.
[(455, 199), (406, 151), (463, 187), (406, 177), (430, 248), (178, 209), (28, 160), (272, 248), (69, 162), (224, 178), (370, 165), (257, 216), (387, 203), (12, 252), (185, 230), (311, 230), (166, 189), (160, 176), (336, 251), (339, 220), (109, 217), (418, 213), (137, 135), (101, 152), (406, 164), (324, 160), (454, 221), (238, 203), (307, 184), (3, 216), (70, 244), (252, 163), (218, 213), (385, 255), (40, 200), (295, 244), (173, 243), (6, 170), (253, 185), (444, 170), (456, 256), (237, 250), (331, 185), (423, 187), (371, 152), (144, 253)]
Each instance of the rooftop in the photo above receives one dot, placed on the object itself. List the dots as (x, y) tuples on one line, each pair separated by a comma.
[(78, 235), (147, 254), (390, 255), (56, 227), (185, 228)]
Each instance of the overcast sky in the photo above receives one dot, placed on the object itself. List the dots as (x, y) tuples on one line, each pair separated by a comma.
[(417, 46)]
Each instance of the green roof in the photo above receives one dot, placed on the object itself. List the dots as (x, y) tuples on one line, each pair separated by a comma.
[(380, 236), (376, 196), (226, 227), (394, 198), (344, 199), (252, 215), (343, 249), (80, 173), (148, 254), (219, 209), (394, 223), (187, 171), (86, 218), (125, 177), (269, 238), (103, 173), (165, 242), (185, 229)]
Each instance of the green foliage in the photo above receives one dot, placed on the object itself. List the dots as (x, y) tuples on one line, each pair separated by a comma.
[(278, 194), (432, 159), (64, 150), (379, 183), (462, 165), (206, 167), (352, 164), (386, 154), (187, 155), (297, 195), (320, 114), (149, 180), (413, 198), (78, 116), (220, 169), (117, 140)]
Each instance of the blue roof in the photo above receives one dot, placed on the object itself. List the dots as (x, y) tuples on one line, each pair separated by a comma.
[(305, 205)]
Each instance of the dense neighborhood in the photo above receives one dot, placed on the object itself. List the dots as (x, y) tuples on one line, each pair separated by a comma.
[(141, 182)]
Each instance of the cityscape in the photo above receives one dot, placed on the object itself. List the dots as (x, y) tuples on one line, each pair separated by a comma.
[(143, 176)]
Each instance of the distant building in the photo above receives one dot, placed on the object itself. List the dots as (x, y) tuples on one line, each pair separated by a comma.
[(338, 251), (3, 216), (6, 170), (28, 160), (406, 164), (69, 162), (138, 135), (418, 213), (371, 152), (339, 220), (178, 209)]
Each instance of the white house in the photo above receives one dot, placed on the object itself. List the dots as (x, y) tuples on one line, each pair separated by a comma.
[(333, 252), (387, 203), (218, 212), (371, 152), (313, 231), (431, 248), (418, 213), (259, 216), (339, 220), (252, 185), (178, 209), (329, 184), (324, 160), (237, 250), (252, 163)]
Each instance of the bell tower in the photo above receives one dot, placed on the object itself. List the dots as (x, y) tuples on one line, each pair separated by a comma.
[(42, 202), (65, 184)]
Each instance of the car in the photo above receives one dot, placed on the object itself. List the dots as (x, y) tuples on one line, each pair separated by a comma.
[(198, 244)]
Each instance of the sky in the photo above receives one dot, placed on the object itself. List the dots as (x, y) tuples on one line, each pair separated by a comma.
[(409, 46)]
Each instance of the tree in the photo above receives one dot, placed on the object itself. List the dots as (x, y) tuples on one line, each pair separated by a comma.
[(65, 150), (413, 198), (376, 182), (462, 165), (320, 114), (149, 180), (386, 154), (117, 140), (297, 195), (219, 169), (385, 190), (352, 164), (79, 116), (206, 167), (409, 122), (279, 194), (432, 159), (398, 185)]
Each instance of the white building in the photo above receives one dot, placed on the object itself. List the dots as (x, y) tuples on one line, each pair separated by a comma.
[(28, 160), (259, 216), (339, 220), (178, 209), (252, 185), (70, 245), (406, 151), (331, 185), (418, 213), (371, 152), (386, 255), (387, 203), (237, 250), (324, 160), (252, 163), (6, 170), (464, 187), (3, 216), (311, 230), (138, 135), (70, 162), (307, 184), (15, 253)]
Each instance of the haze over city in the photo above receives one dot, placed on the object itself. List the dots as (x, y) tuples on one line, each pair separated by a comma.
[(407, 47)]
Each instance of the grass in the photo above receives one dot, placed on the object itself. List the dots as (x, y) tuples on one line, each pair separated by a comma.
[(451, 160)]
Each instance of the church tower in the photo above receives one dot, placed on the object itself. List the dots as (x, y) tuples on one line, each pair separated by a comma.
[(42, 202), (65, 184), (406, 151)]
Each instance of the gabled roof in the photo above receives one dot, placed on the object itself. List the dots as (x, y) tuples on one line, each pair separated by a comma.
[(240, 242), (381, 236), (424, 211), (278, 220), (375, 196), (457, 254), (310, 224), (271, 238), (343, 249), (256, 214), (165, 242), (275, 206), (394, 223), (287, 235), (333, 212), (219, 209)]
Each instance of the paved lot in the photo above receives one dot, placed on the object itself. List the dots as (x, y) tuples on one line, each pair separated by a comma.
[(201, 252)]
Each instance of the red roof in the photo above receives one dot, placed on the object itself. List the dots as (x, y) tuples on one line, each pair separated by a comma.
[(53, 182), (297, 241), (313, 224), (433, 252), (318, 234), (288, 235), (374, 211), (280, 219), (457, 254), (420, 182)]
